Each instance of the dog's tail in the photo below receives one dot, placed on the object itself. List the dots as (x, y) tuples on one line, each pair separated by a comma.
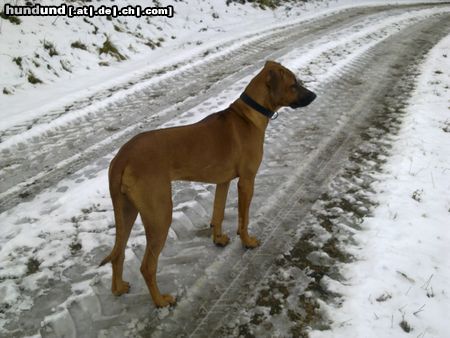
[(114, 253), (121, 205), (107, 259)]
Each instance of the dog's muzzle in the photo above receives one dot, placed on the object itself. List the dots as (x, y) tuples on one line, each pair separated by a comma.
[(305, 100)]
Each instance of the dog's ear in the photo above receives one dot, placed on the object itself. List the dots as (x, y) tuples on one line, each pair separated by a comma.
[(273, 81), (271, 63)]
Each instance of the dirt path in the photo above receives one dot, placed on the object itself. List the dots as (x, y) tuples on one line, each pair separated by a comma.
[(307, 150)]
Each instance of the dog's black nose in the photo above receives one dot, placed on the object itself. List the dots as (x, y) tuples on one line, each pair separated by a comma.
[(312, 97), (305, 100)]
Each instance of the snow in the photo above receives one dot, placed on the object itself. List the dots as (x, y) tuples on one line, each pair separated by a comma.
[(402, 271), (195, 31), (46, 227), (317, 56), (322, 58)]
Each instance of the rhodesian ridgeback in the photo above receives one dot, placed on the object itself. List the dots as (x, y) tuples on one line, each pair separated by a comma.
[(223, 146)]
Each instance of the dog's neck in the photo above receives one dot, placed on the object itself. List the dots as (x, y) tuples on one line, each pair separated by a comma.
[(259, 120), (259, 94), (256, 106)]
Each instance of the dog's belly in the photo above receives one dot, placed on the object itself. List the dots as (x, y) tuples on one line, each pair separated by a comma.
[(206, 174)]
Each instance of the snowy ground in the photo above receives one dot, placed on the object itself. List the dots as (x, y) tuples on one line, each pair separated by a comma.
[(74, 73), (50, 246), (398, 285), (197, 29)]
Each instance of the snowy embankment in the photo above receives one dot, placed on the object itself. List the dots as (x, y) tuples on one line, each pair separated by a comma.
[(398, 285), (49, 62), (60, 59)]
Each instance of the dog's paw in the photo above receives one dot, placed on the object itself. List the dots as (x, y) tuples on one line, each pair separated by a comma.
[(251, 242), (221, 240), (165, 300), (124, 287)]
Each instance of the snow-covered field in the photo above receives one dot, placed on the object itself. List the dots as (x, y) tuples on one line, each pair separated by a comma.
[(402, 273), (402, 268), (197, 29), (146, 43)]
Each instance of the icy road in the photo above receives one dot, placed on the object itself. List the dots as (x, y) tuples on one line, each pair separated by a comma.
[(57, 220)]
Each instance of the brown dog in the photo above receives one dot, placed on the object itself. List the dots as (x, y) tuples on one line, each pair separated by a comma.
[(219, 148)]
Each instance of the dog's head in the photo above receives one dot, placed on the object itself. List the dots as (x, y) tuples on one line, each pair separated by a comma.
[(285, 89)]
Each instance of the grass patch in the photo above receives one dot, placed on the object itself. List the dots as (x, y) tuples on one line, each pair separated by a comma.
[(325, 222), (405, 326), (308, 317), (33, 79), (446, 127), (78, 45), (150, 44), (417, 195), (50, 48), (384, 297), (18, 61), (109, 48), (32, 266), (263, 4), (75, 247), (257, 318), (244, 331), (11, 18), (298, 254), (331, 248), (267, 297)]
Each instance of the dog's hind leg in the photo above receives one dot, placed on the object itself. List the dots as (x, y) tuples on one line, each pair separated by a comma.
[(125, 215), (156, 212), (220, 199)]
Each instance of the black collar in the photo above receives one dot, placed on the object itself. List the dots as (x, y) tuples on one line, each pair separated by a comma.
[(256, 106)]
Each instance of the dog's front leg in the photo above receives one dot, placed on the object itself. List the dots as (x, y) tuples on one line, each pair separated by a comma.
[(245, 194), (220, 199)]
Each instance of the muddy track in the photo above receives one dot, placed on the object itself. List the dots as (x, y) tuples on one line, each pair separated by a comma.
[(51, 153)]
